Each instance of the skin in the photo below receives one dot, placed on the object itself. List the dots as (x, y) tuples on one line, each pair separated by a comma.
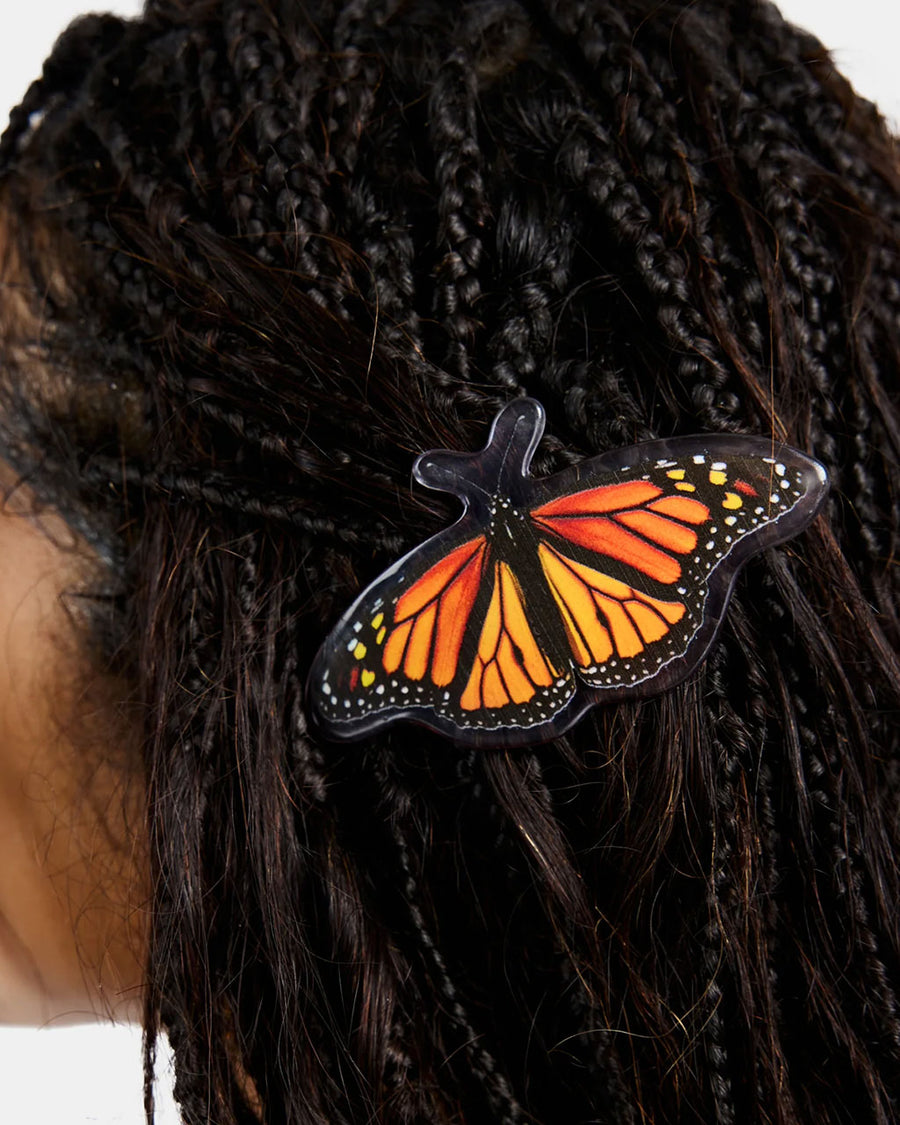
[(72, 920)]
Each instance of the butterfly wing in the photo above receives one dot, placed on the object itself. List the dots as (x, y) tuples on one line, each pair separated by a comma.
[(510, 669), (446, 638), (398, 647), (427, 622), (641, 556), (605, 618)]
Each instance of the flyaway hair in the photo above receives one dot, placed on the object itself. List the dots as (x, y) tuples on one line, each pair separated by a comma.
[(256, 257)]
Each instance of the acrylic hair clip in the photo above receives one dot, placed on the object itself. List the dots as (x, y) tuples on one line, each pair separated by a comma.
[(602, 582)]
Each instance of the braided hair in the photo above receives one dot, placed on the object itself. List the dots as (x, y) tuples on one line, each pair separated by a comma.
[(256, 256)]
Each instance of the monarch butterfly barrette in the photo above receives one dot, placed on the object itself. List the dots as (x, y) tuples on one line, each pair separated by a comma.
[(550, 595)]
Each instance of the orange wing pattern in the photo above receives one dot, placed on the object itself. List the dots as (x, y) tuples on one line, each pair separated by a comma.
[(509, 666), (430, 618), (633, 523), (604, 617), (598, 583)]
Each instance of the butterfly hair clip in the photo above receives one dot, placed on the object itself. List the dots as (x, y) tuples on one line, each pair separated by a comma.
[(549, 595)]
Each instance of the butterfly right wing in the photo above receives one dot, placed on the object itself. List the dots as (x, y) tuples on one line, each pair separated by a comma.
[(640, 563), (604, 617), (630, 538)]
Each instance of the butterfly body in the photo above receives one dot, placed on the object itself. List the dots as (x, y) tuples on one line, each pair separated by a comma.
[(550, 595)]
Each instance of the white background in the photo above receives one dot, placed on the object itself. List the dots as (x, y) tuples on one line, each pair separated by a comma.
[(91, 1075), (862, 34)]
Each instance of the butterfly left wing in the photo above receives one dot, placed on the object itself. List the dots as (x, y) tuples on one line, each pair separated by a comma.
[(445, 637), (397, 649)]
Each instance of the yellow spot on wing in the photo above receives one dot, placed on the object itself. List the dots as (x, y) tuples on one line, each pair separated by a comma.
[(367, 677), (360, 651), (683, 486), (675, 474), (732, 500), (381, 633), (716, 476), (377, 620)]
